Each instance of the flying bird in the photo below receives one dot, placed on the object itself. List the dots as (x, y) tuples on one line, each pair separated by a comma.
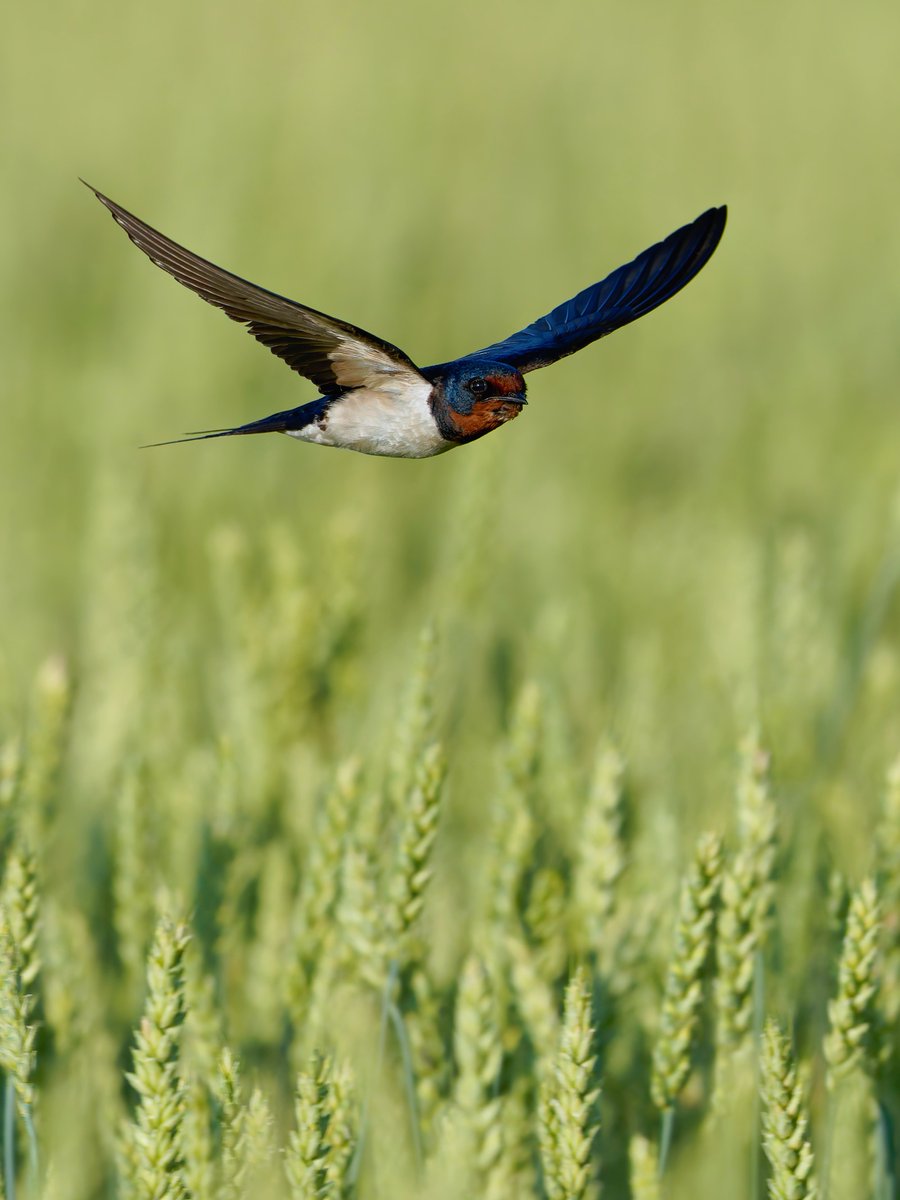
[(372, 397)]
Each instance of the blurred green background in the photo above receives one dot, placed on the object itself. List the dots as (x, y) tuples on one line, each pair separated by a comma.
[(442, 176), (696, 524)]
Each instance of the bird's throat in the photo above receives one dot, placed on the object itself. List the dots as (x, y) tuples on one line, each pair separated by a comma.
[(483, 417)]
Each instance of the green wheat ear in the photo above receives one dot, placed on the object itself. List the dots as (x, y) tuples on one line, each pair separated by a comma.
[(888, 843), (567, 1117), (363, 944), (320, 1148), (534, 999), (412, 868), (545, 921), (17, 1025), (643, 1169), (156, 1137), (197, 1139), (513, 830), (320, 883), (51, 712), (683, 991), (415, 727), (851, 1041), (601, 854), (785, 1123), (12, 774), (245, 1134), (231, 1121), (316, 949), (21, 901), (20, 966), (745, 913), (134, 850), (478, 1053), (431, 1069)]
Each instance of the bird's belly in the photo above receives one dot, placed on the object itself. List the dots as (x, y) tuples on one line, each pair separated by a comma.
[(396, 424)]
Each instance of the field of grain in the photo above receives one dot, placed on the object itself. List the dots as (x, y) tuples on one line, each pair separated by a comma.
[(519, 823)]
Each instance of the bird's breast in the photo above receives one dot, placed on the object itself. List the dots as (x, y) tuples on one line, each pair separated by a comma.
[(393, 420)]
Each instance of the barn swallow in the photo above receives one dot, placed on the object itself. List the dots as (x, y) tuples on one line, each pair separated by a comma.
[(373, 398)]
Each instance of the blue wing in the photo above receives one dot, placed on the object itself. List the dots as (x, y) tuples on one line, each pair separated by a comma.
[(628, 293)]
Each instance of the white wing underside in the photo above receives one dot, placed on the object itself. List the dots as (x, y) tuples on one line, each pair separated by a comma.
[(391, 418)]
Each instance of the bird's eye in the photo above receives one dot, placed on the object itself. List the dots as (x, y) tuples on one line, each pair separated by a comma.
[(477, 387)]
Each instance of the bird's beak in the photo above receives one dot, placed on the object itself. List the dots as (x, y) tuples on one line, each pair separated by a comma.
[(518, 399)]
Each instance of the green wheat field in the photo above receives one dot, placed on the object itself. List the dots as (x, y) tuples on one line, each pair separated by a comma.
[(520, 823)]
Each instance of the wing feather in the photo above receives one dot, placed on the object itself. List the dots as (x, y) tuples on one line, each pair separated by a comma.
[(335, 355), (628, 293)]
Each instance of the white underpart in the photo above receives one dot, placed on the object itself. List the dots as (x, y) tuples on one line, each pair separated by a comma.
[(392, 419)]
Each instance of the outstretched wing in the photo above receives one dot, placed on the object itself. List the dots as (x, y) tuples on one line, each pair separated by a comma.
[(626, 294), (333, 354)]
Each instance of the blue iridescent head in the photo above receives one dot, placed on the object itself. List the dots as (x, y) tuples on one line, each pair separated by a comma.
[(476, 397)]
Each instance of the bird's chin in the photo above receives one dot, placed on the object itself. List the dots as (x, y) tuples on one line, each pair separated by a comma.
[(509, 410), (481, 418)]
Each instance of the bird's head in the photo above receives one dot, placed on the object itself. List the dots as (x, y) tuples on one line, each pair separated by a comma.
[(478, 397)]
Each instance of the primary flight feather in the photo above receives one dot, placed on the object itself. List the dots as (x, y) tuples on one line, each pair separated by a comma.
[(372, 397)]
